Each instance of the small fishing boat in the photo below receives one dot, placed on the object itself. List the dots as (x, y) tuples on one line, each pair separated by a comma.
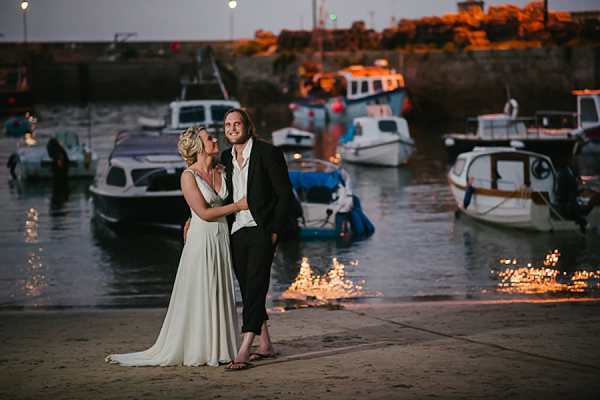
[(345, 94), (62, 156), (521, 189), (553, 133), (291, 137), (328, 206), (382, 141), (141, 183), (19, 126)]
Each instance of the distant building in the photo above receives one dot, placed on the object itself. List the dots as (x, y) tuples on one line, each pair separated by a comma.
[(584, 15), (464, 5)]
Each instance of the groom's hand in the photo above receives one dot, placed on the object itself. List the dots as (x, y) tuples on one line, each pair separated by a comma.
[(273, 238), (185, 229)]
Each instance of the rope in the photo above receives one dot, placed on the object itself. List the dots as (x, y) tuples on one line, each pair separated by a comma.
[(491, 345), (502, 202)]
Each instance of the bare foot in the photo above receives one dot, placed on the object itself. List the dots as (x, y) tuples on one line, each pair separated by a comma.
[(261, 353), (240, 362)]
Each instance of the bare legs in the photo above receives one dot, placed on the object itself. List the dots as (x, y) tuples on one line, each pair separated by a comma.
[(265, 347)]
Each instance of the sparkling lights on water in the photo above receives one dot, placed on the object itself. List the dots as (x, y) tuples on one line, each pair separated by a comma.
[(332, 285), (546, 279)]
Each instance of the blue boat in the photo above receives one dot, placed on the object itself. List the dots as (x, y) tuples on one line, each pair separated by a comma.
[(328, 206), (19, 126), (347, 93)]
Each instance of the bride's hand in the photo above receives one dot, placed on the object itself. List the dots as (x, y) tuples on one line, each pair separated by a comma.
[(242, 204)]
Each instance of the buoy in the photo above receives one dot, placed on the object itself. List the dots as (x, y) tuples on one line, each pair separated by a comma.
[(337, 107), (511, 108)]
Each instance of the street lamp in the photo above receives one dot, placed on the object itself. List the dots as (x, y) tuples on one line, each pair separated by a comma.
[(232, 4), (24, 5), (333, 17)]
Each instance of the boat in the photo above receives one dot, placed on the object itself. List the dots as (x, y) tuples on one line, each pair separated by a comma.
[(184, 113), (553, 133), (345, 94), (141, 184), (521, 189), (19, 125), (41, 162), (16, 96), (377, 140), (293, 138), (327, 206)]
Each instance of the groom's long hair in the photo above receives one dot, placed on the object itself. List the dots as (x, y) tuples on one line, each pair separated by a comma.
[(250, 129)]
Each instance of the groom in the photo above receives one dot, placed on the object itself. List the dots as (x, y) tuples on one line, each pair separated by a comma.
[(258, 170)]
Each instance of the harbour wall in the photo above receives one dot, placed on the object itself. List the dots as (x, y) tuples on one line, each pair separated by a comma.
[(442, 84)]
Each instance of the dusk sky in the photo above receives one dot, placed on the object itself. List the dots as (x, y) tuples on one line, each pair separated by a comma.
[(158, 20)]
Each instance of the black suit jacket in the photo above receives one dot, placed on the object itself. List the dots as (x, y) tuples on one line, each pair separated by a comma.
[(270, 193)]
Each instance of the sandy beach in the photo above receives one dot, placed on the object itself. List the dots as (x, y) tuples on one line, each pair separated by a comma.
[(448, 350)]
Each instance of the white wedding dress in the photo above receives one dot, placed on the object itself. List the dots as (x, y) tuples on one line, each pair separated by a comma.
[(201, 323)]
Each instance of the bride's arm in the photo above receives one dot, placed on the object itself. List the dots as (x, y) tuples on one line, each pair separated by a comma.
[(196, 201)]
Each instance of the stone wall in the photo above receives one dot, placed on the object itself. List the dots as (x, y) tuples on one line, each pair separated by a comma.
[(441, 84)]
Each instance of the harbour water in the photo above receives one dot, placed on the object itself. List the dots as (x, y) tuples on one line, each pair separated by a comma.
[(54, 254)]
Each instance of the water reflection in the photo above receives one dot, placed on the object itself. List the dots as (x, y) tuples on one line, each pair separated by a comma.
[(332, 285), (55, 254), (142, 264)]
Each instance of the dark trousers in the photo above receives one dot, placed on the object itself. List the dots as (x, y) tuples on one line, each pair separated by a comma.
[(252, 253)]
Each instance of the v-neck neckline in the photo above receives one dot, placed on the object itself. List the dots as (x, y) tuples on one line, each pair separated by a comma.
[(212, 189)]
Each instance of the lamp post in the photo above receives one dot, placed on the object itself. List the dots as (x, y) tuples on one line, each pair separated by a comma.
[(24, 5), (232, 4)]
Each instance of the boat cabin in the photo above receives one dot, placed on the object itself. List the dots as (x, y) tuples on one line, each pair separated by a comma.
[(362, 81), (210, 113), (588, 107), (505, 169)]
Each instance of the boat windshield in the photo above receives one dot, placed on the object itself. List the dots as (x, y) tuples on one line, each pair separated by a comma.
[(192, 114), (388, 126), (218, 112)]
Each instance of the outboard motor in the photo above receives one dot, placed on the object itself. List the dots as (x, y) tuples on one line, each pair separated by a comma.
[(567, 189)]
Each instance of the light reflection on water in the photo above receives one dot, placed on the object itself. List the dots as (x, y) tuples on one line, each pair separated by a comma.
[(55, 255)]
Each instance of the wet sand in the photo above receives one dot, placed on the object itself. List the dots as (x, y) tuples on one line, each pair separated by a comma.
[(515, 350)]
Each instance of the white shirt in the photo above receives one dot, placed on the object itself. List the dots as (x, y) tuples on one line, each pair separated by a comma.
[(243, 218)]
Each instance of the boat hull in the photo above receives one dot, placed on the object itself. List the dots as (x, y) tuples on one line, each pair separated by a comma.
[(358, 107), (34, 163), (385, 153), (524, 210), (168, 210)]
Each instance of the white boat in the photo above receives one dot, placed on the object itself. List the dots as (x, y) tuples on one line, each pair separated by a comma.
[(141, 183), (329, 207), (184, 113), (346, 93), (377, 140), (36, 163), (291, 137), (520, 189), (553, 133)]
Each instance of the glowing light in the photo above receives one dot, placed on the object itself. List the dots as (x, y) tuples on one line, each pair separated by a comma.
[(297, 156), (333, 285), (29, 140), (31, 234)]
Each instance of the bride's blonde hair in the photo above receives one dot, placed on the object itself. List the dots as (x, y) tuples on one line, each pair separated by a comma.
[(190, 145)]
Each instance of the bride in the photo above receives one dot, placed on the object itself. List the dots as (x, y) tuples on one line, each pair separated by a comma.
[(201, 323)]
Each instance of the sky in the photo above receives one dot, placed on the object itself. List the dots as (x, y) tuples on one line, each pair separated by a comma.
[(198, 20)]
